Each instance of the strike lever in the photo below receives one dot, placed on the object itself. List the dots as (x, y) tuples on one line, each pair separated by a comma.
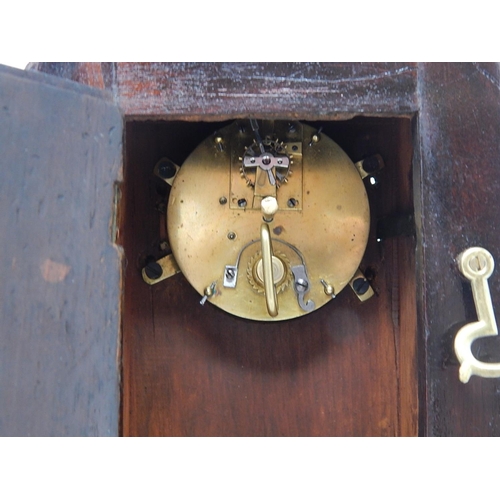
[(269, 206)]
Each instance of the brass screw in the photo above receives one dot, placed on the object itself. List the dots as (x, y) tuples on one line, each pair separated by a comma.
[(219, 142), (328, 289), (315, 137)]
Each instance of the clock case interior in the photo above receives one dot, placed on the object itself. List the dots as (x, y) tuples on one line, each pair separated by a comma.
[(197, 370)]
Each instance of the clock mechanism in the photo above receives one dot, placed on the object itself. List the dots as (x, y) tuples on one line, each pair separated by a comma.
[(268, 220)]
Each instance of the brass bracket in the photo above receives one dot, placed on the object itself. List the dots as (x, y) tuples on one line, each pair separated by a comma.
[(166, 170), (361, 286), (160, 270), (370, 165)]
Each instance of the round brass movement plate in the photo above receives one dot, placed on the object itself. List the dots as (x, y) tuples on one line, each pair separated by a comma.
[(214, 216)]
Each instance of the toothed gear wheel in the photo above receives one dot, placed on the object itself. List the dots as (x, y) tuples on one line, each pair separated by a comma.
[(258, 284), (273, 146)]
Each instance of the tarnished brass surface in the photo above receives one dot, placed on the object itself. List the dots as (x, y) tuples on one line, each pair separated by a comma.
[(366, 292), (166, 170), (168, 266), (278, 270), (242, 179), (325, 227), (267, 270), (375, 163)]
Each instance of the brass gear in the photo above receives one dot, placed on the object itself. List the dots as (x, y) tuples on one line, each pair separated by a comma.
[(257, 284), (273, 146)]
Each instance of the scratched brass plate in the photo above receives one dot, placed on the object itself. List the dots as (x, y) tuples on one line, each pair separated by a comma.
[(326, 227)]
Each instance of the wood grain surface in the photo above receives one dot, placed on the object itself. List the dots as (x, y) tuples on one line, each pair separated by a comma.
[(60, 283), (459, 129), (218, 91)]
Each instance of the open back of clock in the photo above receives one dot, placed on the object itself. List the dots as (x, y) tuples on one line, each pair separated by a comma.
[(268, 220)]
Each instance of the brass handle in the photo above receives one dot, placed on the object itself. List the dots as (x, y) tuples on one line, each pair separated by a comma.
[(267, 270), (477, 265)]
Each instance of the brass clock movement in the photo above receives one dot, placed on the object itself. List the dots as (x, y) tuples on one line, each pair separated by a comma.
[(268, 220)]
